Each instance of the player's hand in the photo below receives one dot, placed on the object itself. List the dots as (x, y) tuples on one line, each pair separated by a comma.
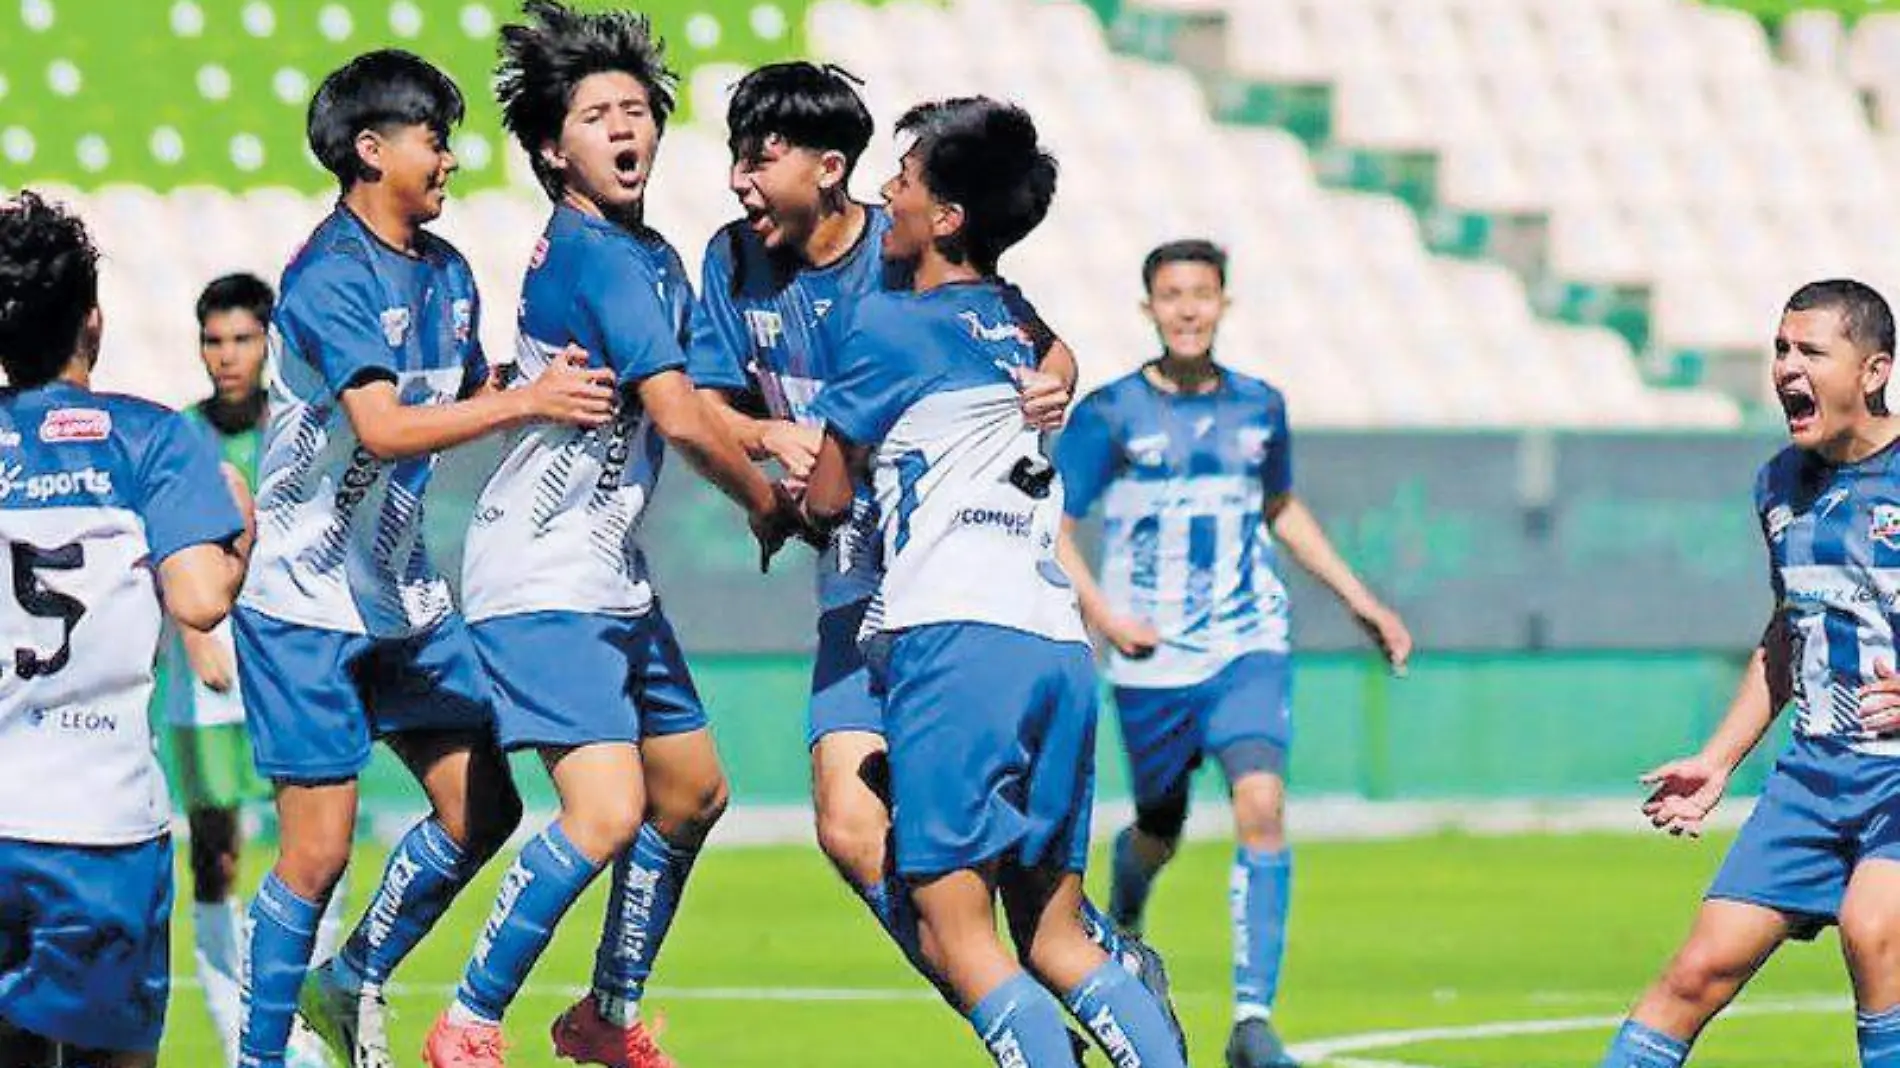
[(1880, 701), (1388, 632), (571, 392), (1045, 400), (240, 491), (209, 660), (784, 522), (795, 448), (1685, 792), (1135, 639)]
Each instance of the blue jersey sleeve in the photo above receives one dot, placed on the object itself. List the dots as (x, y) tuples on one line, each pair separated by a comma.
[(331, 319), (1276, 474), (716, 356), (181, 493), (475, 370), (623, 320), (1086, 455), (878, 376)]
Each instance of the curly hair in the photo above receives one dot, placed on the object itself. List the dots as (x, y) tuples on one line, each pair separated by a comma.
[(49, 284), (545, 59)]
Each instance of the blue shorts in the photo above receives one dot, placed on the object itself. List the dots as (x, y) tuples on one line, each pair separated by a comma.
[(85, 942), (570, 678), (1825, 809), (841, 694), (315, 699), (1168, 730), (992, 735)]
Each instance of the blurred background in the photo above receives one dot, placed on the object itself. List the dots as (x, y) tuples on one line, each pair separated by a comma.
[(1515, 264)]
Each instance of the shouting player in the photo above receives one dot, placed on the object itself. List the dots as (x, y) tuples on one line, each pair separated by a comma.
[(107, 506), (1195, 468), (345, 631), (990, 690), (1823, 844), (586, 669)]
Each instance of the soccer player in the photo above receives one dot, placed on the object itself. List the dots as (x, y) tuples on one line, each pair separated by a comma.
[(775, 286), (345, 631), (1194, 467), (991, 770), (196, 686), (1823, 844), (107, 505), (586, 668)]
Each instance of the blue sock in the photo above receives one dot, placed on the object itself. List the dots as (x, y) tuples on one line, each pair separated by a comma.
[(535, 893), (1101, 930), (890, 902), (1879, 1034), (283, 928), (1640, 1046), (1126, 1020), (1257, 897), (1129, 883), (649, 877), (1022, 1027), (425, 872)]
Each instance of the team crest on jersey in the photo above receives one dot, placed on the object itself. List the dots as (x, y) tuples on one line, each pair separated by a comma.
[(765, 326), (982, 331), (1149, 450), (395, 325), (540, 255), (75, 424), (1779, 518), (462, 314), (1885, 528), (820, 308), (1253, 442), (9, 439)]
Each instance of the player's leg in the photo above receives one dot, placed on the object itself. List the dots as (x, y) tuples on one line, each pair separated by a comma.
[(1870, 939), (216, 926), (1729, 942), (1161, 734)]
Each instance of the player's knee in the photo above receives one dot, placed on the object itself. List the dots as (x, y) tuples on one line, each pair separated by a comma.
[(491, 817), (603, 829), (1701, 975), (688, 814), (311, 867), (1871, 939), (1260, 813), (854, 840)]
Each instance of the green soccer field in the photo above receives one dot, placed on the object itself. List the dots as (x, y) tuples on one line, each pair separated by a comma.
[(1520, 951)]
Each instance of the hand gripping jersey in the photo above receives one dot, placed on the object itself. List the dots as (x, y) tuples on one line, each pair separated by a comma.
[(969, 503), (339, 532), (554, 529), (95, 492), (773, 328), (1833, 533), (1183, 481)]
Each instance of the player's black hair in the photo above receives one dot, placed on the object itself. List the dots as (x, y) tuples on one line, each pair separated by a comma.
[(380, 91), (808, 105), (49, 284), (543, 59), (241, 291), (983, 155), (1865, 317), (1191, 250)]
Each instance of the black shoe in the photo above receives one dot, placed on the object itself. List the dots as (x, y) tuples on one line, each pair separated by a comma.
[(1146, 964), (1254, 1045)]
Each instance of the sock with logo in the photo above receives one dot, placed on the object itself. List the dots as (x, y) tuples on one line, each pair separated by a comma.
[(425, 872), (536, 891), (649, 877), (283, 926), (1640, 1046), (1257, 897), (1879, 1035), (1021, 1025), (1124, 1017)]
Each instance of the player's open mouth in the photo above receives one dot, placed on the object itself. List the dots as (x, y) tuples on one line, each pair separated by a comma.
[(627, 167), (1799, 407), (760, 221)]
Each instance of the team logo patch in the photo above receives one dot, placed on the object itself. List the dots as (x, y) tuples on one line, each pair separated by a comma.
[(395, 325), (76, 424), (1149, 450), (1779, 518), (9, 439), (462, 314), (1253, 442), (1885, 528), (540, 254), (982, 331), (820, 308), (765, 327)]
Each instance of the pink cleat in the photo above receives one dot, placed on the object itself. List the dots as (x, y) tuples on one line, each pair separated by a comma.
[(458, 1045), (583, 1036)]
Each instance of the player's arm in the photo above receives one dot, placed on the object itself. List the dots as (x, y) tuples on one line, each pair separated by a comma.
[(1088, 456), (715, 358), (1295, 527), (795, 447), (1685, 791), (688, 422), (566, 392), (200, 523), (877, 379), (1134, 638), (1048, 388), (833, 482)]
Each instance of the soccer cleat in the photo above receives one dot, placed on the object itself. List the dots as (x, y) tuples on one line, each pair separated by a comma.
[(348, 1018), (1254, 1045), (581, 1035), (469, 1045), (306, 1049), (1144, 963)]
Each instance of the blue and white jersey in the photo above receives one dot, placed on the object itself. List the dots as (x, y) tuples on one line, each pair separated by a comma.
[(96, 491), (339, 532), (770, 326), (1833, 535), (1183, 481), (969, 503), (554, 528)]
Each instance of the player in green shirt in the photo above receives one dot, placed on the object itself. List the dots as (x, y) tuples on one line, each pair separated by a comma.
[(196, 690)]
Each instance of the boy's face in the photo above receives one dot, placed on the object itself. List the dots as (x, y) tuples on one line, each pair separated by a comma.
[(1823, 379), (917, 219), (231, 343), (1185, 301), (782, 188), (608, 141), (415, 162)]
